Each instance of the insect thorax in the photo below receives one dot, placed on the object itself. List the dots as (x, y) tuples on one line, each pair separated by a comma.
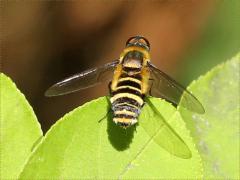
[(126, 95), (133, 59)]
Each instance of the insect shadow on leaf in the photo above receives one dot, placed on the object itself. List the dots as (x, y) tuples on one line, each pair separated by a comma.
[(119, 137)]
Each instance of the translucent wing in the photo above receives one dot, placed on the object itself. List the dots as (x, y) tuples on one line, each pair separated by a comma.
[(163, 134), (83, 80), (165, 87)]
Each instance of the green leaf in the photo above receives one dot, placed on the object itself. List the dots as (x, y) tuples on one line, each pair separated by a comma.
[(19, 129), (216, 133), (79, 146)]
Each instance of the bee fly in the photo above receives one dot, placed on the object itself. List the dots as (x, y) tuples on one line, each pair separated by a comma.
[(132, 78)]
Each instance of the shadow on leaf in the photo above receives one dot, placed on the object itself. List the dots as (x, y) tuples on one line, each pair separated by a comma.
[(119, 137)]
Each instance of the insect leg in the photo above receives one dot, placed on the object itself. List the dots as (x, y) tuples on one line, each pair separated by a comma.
[(109, 109), (109, 87)]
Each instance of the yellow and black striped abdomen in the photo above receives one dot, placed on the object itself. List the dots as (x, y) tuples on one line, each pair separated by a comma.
[(127, 99)]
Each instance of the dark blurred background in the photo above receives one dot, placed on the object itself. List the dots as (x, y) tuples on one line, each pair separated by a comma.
[(44, 41)]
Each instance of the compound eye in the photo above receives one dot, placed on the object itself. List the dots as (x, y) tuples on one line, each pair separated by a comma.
[(144, 41), (131, 40), (138, 40)]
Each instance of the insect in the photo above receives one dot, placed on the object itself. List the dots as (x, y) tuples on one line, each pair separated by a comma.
[(132, 78)]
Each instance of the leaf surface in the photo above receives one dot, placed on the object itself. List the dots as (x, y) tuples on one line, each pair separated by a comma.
[(79, 146), (216, 133), (19, 129)]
